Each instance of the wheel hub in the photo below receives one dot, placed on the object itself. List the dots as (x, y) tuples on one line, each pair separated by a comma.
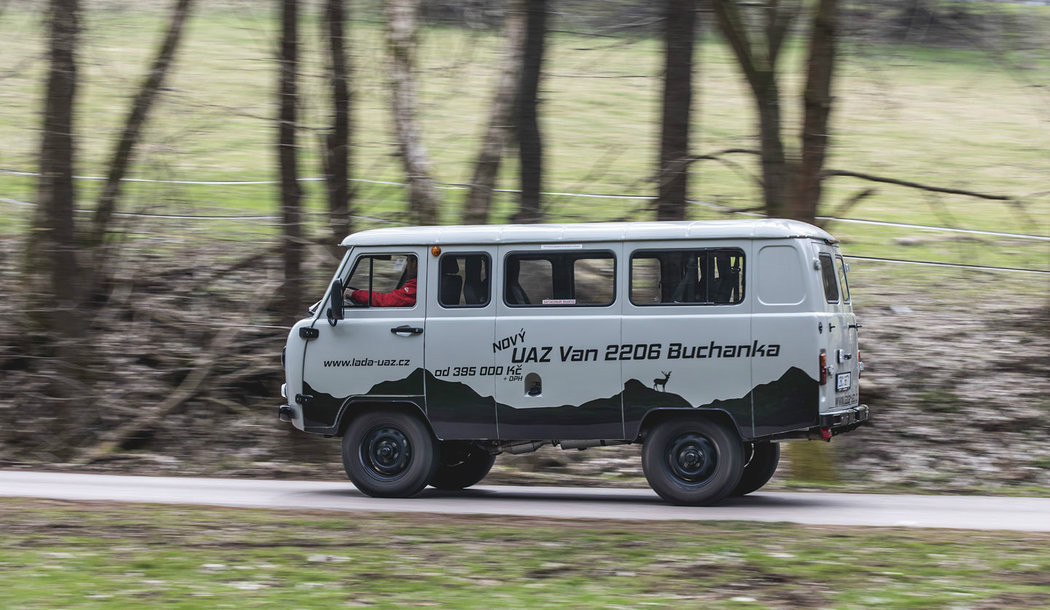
[(692, 458), (386, 451)]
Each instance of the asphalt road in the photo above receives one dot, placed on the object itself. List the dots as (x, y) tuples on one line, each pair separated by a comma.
[(961, 512)]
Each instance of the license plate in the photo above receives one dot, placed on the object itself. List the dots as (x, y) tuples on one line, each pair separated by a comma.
[(842, 382)]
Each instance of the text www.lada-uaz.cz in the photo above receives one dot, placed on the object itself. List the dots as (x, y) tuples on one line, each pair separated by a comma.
[(368, 362)]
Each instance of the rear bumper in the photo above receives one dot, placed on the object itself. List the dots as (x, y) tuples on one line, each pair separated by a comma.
[(286, 413), (844, 420)]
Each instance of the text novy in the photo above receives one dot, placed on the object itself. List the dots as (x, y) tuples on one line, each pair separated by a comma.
[(511, 341)]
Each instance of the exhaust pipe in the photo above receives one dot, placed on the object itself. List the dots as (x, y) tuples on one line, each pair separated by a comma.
[(587, 444), (523, 447)]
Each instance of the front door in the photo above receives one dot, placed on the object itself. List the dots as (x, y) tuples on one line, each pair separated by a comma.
[(376, 351)]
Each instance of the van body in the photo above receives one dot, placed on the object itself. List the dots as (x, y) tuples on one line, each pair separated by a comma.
[(717, 339)]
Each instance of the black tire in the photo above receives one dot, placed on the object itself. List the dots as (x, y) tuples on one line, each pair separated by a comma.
[(389, 454), (759, 468), (462, 464), (692, 461)]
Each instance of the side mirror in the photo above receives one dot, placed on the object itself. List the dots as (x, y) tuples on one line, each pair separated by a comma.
[(335, 300)]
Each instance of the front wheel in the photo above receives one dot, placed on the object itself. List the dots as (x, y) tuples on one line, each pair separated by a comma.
[(692, 461), (389, 454), (462, 464), (759, 469)]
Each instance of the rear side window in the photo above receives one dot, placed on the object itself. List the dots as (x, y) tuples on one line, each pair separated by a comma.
[(843, 280), (691, 277), (560, 279), (464, 280), (827, 273)]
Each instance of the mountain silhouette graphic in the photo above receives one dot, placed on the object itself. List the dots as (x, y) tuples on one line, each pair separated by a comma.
[(788, 403)]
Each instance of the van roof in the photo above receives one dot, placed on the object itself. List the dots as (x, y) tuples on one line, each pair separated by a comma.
[(586, 232)]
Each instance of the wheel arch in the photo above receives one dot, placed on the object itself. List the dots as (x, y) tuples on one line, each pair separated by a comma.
[(654, 417), (355, 406)]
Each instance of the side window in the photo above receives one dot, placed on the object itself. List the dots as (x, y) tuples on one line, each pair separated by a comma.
[(464, 280), (383, 280), (827, 273), (697, 277), (726, 277), (668, 276), (577, 279), (594, 280), (535, 279), (843, 281)]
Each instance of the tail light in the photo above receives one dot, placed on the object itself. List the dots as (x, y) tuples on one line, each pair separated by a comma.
[(823, 367)]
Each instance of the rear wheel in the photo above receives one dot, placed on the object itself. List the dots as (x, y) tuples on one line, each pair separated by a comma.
[(462, 464), (692, 461), (389, 454), (759, 469)]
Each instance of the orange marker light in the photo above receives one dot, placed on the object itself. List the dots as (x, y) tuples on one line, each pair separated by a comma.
[(435, 250)]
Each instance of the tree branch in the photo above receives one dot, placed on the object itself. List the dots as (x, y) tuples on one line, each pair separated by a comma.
[(124, 152), (780, 21), (735, 32), (848, 205), (831, 173)]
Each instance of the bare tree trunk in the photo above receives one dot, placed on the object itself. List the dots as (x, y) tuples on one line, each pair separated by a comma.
[(775, 169), (680, 25), (402, 39), (501, 118), (51, 270), (337, 143), (817, 112), (526, 123), (124, 152), (291, 193), (757, 50)]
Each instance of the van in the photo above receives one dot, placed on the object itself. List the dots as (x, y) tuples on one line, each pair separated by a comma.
[(437, 348)]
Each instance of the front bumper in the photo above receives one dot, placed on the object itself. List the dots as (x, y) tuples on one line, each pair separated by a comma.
[(844, 420)]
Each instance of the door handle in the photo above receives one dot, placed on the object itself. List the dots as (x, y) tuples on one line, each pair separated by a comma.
[(405, 328)]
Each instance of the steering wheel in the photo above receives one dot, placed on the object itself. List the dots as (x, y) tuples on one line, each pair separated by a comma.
[(348, 290)]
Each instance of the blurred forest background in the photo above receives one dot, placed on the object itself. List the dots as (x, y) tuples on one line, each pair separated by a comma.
[(174, 177)]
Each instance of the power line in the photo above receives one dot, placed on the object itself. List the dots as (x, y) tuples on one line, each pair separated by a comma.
[(955, 265), (164, 216), (548, 193), (389, 221), (12, 172), (209, 216), (464, 187), (886, 223)]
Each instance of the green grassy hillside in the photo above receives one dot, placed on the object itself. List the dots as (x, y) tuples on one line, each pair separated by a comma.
[(966, 119)]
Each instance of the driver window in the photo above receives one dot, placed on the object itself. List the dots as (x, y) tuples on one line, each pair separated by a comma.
[(382, 280)]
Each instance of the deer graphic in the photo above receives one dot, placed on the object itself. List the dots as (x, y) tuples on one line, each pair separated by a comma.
[(661, 383)]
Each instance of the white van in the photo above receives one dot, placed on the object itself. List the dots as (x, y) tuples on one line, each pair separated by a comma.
[(437, 348)]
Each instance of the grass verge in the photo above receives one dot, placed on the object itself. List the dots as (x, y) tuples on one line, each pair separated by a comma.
[(96, 555)]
